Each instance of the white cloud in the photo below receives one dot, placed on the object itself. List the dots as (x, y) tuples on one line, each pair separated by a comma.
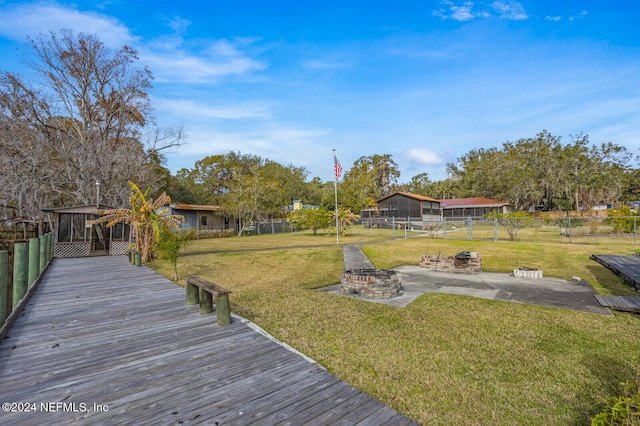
[(189, 109), (455, 12), (24, 20), (424, 157), (462, 13), (465, 12), (286, 144), (321, 65), (172, 61), (553, 18), (179, 25), (167, 56), (510, 10), (579, 15)]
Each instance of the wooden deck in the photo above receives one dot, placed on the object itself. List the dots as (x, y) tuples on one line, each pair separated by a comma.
[(105, 342), (628, 267), (620, 303)]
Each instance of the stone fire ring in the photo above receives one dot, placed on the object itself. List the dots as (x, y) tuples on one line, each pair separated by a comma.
[(371, 283)]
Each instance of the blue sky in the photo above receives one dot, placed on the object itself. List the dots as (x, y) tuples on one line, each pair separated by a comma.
[(425, 81)]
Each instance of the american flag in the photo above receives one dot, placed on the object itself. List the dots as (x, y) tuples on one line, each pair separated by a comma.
[(337, 167)]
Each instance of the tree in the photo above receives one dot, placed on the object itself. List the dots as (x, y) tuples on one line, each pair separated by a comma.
[(313, 219), (170, 244), (419, 184), (87, 119), (346, 218), (147, 217), (623, 219), (540, 172), (246, 186), (370, 178), (512, 222)]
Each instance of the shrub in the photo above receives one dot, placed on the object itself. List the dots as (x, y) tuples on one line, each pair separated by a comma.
[(622, 219), (215, 233), (512, 222), (170, 245), (621, 410)]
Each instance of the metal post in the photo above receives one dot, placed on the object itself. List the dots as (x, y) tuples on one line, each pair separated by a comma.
[(495, 229), (569, 228), (335, 187), (393, 226)]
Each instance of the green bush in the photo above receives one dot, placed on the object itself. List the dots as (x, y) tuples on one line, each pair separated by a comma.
[(215, 233), (622, 219), (621, 410)]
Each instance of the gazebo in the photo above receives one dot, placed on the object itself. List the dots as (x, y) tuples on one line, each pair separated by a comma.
[(76, 234)]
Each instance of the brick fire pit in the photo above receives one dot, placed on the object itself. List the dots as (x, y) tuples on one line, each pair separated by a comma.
[(371, 283)]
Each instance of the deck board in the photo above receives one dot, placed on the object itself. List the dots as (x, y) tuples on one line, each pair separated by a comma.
[(99, 330), (627, 267), (620, 303)]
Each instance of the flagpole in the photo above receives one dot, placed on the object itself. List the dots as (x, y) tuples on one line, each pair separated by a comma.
[(335, 187)]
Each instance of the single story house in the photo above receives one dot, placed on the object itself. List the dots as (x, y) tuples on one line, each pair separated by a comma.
[(403, 206), (475, 208), (76, 235), (202, 217)]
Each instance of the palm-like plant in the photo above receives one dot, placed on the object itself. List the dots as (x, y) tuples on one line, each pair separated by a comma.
[(346, 218), (146, 217)]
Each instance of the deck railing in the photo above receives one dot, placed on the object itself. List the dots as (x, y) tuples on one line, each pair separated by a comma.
[(21, 267)]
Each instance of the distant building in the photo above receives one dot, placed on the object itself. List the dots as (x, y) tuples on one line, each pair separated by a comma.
[(455, 209), (418, 209), (299, 205), (200, 217)]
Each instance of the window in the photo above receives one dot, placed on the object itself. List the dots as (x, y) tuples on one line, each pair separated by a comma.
[(203, 221)]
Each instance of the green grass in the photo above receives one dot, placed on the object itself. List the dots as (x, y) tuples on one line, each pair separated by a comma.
[(444, 359)]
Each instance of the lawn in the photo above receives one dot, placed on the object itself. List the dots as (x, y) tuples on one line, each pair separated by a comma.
[(444, 359)]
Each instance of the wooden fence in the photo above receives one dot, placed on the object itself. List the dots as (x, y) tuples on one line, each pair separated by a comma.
[(21, 265)]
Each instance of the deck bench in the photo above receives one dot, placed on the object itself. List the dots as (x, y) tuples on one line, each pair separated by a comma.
[(200, 291), (135, 257)]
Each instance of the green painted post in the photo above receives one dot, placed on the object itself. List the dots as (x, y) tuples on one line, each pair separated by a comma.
[(34, 260), (43, 252), (4, 278), (223, 310), (20, 271), (192, 294), (206, 301), (50, 246), (138, 259)]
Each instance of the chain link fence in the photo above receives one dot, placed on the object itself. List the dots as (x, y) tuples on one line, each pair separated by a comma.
[(624, 229)]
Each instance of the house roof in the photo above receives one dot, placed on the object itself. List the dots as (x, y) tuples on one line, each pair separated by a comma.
[(195, 207), (471, 202), (408, 195), (89, 208)]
